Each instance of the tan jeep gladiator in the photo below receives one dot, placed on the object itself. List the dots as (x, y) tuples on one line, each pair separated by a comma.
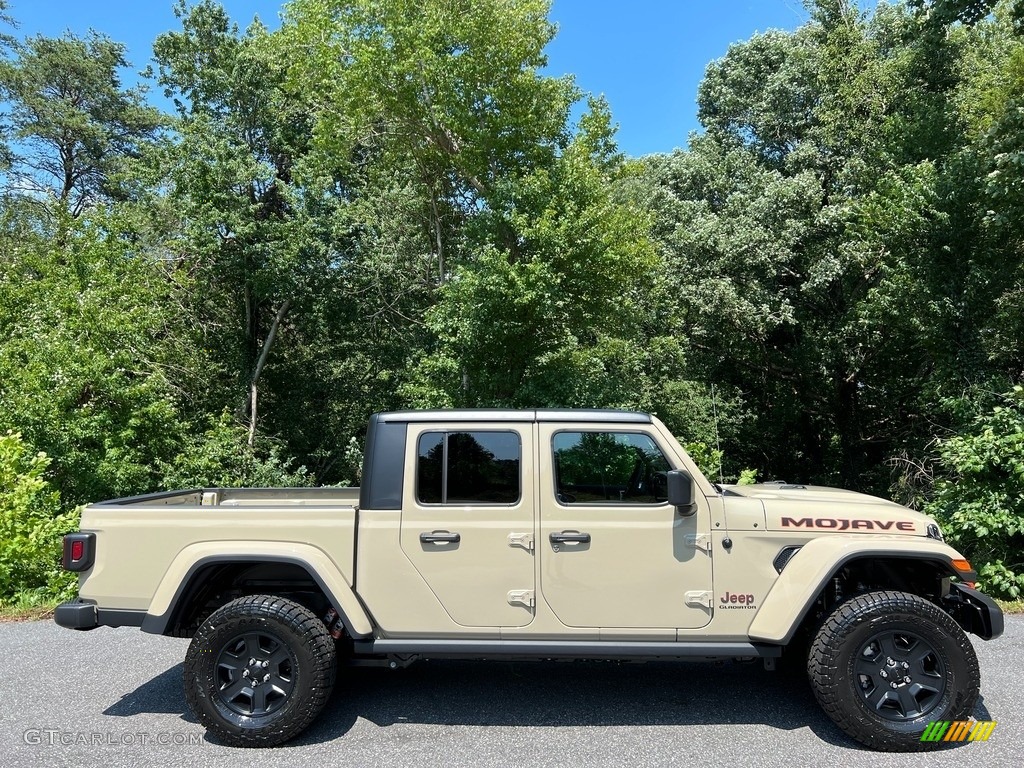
[(538, 534)]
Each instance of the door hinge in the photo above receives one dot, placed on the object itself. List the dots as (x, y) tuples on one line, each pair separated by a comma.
[(699, 597), (521, 597), (524, 540), (699, 541)]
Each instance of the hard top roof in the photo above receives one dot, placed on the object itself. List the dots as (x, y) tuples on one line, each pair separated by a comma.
[(509, 414)]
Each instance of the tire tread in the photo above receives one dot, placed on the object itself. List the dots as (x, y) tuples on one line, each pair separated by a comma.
[(826, 678), (313, 635)]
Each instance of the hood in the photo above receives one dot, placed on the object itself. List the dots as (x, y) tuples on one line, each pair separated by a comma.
[(831, 510)]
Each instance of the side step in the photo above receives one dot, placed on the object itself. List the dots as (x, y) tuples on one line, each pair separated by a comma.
[(565, 649)]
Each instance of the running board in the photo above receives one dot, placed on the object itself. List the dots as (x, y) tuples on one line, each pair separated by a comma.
[(567, 649)]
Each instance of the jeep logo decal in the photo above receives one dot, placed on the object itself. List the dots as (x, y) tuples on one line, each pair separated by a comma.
[(844, 524), (733, 600)]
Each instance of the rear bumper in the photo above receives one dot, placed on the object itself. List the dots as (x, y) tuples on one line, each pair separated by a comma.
[(976, 612), (78, 614)]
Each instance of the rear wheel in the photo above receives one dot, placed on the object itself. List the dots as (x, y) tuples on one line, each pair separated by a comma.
[(885, 664), (259, 670)]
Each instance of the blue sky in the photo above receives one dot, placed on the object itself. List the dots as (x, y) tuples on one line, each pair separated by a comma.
[(646, 56)]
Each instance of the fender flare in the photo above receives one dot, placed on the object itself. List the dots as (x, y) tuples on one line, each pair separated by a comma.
[(324, 571), (810, 569)]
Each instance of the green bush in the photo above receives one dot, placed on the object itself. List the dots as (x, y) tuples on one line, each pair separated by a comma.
[(222, 458), (707, 458), (747, 477), (89, 344), (979, 495), (31, 526), (710, 462)]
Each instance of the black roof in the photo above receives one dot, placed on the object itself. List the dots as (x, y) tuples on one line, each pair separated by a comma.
[(509, 414)]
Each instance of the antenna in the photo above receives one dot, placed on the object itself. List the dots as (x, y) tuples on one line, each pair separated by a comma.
[(718, 441)]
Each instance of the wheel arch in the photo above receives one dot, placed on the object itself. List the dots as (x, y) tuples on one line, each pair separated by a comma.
[(807, 575), (193, 572)]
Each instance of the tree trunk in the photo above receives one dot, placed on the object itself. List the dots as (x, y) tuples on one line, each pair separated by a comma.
[(271, 335), (437, 236)]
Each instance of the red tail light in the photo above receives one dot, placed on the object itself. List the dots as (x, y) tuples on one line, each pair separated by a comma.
[(79, 551)]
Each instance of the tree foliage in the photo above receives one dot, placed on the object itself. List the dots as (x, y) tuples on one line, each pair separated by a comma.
[(88, 369), (979, 494), (70, 122), (390, 204), (31, 523), (219, 457)]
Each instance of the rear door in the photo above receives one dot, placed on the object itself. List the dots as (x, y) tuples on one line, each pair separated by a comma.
[(614, 553), (468, 525)]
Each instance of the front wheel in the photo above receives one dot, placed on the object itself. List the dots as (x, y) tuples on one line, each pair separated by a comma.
[(259, 670), (885, 664)]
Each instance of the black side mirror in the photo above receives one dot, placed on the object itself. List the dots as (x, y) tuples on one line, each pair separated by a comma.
[(680, 492)]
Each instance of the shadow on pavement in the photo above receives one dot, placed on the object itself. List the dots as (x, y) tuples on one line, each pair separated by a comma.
[(554, 694), (163, 695), (547, 694)]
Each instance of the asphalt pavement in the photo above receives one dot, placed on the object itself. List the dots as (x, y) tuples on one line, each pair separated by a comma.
[(113, 697)]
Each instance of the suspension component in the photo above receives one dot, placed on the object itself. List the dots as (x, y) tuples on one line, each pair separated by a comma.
[(332, 620)]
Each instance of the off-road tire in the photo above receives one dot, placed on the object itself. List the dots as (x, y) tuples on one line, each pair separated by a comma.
[(856, 644), (229, 651)]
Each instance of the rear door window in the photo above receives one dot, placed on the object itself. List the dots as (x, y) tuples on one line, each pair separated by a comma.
[(481, 467)]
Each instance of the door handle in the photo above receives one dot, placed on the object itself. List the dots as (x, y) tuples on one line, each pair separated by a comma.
[(569, 536), (440, 537)]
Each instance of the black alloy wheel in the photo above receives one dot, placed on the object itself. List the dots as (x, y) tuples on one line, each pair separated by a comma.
[(256, 673), (900, 675)]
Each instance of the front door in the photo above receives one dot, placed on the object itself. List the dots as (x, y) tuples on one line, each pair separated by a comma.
[(614, 553), (468, 524)]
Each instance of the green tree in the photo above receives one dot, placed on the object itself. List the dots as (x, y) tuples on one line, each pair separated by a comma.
[(71, 121), (448, 93), (228, 172), (823, 244), (549, 322), (517, 211), (978, 495), (221, 458), (308, 275), (990, 105), (31, 526), (91, 351)]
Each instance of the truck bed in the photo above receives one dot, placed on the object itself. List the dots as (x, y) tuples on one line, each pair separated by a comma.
[(158, 536)]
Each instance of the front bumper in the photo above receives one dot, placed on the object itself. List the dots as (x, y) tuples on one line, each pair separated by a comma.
[(78, 614), (976, 612)]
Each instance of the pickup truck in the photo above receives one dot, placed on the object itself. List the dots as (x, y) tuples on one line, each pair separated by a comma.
[(538, 534)]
